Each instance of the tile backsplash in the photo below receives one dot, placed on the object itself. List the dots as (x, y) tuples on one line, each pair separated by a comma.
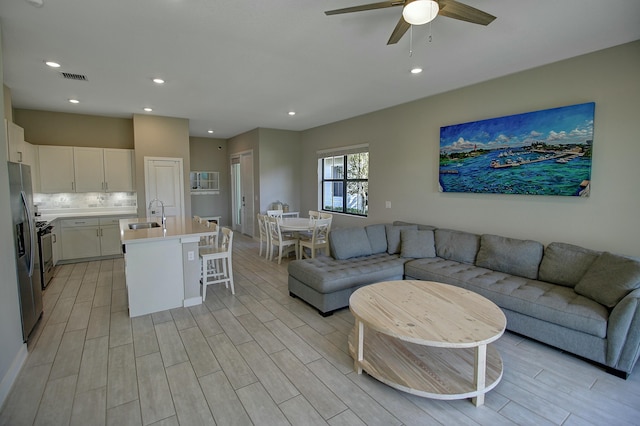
[(85, 200)]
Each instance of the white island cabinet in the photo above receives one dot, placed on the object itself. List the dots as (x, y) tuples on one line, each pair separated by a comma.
[(162, 267)]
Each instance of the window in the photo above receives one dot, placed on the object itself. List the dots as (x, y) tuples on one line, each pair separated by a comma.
[(345, 180)]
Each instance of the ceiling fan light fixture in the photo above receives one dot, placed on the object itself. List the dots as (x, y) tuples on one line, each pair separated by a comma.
[(420, 12)]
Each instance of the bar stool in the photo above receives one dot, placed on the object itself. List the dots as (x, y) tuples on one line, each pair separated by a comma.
[(216, 263)]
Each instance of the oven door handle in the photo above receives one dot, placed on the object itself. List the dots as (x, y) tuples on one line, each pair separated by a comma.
[(32, 235)]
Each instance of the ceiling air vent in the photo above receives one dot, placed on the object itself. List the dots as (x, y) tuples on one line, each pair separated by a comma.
[(71, 76)]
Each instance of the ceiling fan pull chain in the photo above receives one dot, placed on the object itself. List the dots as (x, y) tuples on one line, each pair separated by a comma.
[(430, 38), (411, 41)]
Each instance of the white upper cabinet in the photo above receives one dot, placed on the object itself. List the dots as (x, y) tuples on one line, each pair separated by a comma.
[(56, 169), (119, 170), (18, 151), (88, 165), (81, 169), (29, 155)]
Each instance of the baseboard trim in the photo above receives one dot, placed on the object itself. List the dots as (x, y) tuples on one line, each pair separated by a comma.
[(12, 374), (192, 301)]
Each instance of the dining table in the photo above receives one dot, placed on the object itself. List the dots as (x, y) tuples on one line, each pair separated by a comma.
[(296, 224)]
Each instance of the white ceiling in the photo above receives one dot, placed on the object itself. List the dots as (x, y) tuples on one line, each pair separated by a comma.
[(232, 66)]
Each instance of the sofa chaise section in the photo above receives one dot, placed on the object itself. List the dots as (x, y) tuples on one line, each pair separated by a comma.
[(359, 256)]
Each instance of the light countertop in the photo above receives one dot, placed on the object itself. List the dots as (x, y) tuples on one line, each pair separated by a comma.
[(51, 215), (177, 227)]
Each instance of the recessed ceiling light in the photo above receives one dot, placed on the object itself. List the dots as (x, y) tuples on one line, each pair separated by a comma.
[(52, 64), (74, 101), (158, 81), (209, 131), (292, 113), (416, 70), (148, 109)]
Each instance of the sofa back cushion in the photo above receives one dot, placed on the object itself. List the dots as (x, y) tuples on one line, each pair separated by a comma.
[(609, 279), (377, 238), (417, 244), (457, 245), (510, 255), (565, 264), (420, 227), (349, 242), (393, 236)]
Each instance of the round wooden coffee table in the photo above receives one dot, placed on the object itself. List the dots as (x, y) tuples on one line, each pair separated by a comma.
[(427, 338)]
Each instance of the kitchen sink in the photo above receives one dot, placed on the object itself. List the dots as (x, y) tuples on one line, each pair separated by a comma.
[(144, 225)]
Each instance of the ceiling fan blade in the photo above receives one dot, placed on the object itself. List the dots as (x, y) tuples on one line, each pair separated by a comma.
[(372, 6), (462, 12), (401, 27)]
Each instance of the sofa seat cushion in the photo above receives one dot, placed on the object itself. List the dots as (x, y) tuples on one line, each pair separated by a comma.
[(326, 274), (538, 299)]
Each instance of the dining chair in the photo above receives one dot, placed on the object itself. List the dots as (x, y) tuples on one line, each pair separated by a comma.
[(313, 214), (326, 215), (319, 239), (277, 239), (211, 240), (264, 235), (275, 213), (216, 266)]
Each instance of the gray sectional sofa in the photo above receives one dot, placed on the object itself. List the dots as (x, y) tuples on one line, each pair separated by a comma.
[(579, 300)]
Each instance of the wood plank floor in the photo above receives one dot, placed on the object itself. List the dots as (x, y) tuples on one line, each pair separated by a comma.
[(261, 357)]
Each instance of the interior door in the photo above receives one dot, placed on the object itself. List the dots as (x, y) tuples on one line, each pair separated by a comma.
[(164, 181), (243, 193)]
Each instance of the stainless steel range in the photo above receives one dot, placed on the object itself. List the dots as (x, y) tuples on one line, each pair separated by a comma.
[(45, 249)]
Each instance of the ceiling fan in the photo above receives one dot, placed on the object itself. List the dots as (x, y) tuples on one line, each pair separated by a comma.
[(419, 12)]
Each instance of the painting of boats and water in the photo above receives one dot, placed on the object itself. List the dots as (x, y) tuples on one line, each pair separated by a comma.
[(536, 153)]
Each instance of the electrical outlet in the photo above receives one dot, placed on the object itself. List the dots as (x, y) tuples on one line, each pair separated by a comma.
[(191, 255), (387, 204)]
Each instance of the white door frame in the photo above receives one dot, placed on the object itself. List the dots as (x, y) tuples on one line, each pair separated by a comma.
[(148, 196), (246, 209)]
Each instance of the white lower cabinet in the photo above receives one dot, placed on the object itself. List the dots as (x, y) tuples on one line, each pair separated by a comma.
[(80, 238), (90, 237), (110, 236), (56, 242)]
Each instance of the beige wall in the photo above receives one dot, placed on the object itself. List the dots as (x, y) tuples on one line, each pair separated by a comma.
[(12, 351), (210, 154), (59, 128), (8, 110), (160, 137), (404, 150), (280, 168), (276, 166), (249, 141)]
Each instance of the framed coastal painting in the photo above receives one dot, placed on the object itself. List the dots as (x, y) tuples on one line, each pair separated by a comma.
[(544, 152)]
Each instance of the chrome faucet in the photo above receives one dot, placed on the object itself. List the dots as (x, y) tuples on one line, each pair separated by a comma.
[(164, 218)]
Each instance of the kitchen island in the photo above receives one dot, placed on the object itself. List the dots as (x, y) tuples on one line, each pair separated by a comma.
[(162, 267)]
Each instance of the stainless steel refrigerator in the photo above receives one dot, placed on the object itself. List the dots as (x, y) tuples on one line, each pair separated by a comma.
[(25, 240)]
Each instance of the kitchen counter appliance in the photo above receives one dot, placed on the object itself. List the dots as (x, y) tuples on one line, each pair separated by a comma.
[(45, 251), (24, 236)]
